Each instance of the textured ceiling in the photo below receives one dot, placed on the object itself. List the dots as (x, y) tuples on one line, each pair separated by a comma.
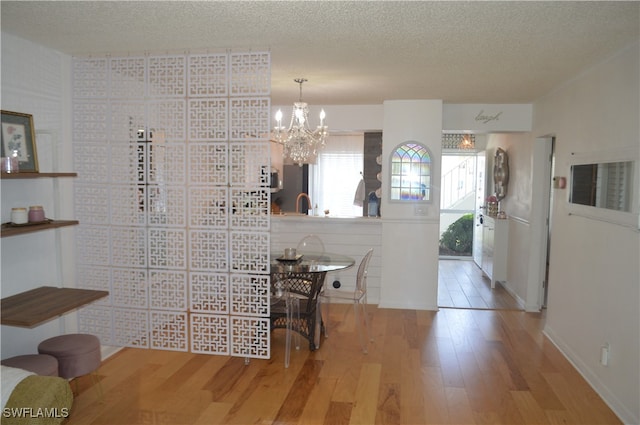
[(355, 52)]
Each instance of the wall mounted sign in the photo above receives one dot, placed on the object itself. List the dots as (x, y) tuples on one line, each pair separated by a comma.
[(487, 118), (482, 118)]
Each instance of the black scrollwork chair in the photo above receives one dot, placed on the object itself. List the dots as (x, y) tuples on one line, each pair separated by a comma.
[(303, 290)]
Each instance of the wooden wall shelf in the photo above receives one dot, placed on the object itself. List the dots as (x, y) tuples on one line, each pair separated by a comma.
[(9, 230), (12, 176), (31, 308)]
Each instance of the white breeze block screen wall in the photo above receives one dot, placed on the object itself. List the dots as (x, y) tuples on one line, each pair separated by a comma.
[(172, 196)]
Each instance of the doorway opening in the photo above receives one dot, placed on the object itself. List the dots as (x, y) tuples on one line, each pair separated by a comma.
[(457, 205), (461, 282)]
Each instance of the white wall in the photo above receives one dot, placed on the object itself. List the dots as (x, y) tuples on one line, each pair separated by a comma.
[(594, 273), (36, 80), (410, 237), (347, 236), (477, 118), (340, 118), (518, 204)]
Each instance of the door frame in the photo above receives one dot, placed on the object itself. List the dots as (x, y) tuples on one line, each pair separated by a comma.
[(481, 190), (540, 217)]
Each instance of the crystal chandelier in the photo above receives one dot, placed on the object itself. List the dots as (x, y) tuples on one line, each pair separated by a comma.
[(300, 144)]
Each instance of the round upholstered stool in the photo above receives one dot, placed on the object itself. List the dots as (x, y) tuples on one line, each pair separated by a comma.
[(77, 354), (40, 364)]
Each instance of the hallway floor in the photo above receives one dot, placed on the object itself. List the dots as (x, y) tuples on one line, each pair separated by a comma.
[(451, 366), (462, 285)]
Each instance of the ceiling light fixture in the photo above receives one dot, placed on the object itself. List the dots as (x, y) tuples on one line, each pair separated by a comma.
[(300, 144), (467, 142)]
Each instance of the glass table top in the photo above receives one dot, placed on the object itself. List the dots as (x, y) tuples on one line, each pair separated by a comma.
[(310, 263)]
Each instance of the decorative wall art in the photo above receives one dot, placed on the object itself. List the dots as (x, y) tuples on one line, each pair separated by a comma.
[(501, 173), (18, 139)]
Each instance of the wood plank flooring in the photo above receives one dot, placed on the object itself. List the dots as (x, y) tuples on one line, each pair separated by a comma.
[(462, 285), (453, 366)]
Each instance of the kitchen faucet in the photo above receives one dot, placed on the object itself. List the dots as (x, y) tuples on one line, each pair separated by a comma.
[(302, 195)]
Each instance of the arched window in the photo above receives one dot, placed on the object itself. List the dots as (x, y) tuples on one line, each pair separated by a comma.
[(410, 173)]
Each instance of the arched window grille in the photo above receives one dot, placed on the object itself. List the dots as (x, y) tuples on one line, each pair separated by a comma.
[(410, 173)]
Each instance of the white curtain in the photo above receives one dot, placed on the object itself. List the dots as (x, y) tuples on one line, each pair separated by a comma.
[(333, 180)]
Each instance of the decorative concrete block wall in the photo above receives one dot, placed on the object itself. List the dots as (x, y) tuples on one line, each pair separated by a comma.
[(173, 200)]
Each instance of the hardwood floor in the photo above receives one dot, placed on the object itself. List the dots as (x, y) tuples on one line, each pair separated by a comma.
[(453, 366), (462, 285)]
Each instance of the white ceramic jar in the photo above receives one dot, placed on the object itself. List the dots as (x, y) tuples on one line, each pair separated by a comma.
[(19, 216)]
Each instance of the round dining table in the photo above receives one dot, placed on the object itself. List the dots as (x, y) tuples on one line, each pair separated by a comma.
[(312, 262)]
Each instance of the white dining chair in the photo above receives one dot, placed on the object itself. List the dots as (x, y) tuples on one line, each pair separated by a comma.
[(358, 297), (282, 303), (310, 244)]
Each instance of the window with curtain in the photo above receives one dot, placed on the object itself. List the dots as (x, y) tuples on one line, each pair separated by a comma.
[(334, 179)]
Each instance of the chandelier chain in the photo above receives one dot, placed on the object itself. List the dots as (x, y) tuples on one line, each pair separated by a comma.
[(300, 81)]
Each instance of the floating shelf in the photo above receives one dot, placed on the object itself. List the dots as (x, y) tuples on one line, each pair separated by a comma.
[(12, 176), (12, 230), (31, 308)]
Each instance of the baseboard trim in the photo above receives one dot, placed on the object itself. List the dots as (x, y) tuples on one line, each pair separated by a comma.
[(592, 379), (107, 351), (403, 306)]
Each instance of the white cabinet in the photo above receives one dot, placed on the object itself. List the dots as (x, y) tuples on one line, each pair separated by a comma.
[(495, 241)]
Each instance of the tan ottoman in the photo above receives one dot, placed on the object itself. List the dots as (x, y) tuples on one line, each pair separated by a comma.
[(77, 354), (40, 364)]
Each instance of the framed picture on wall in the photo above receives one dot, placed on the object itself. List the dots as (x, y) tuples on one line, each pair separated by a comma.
[(18, 139)]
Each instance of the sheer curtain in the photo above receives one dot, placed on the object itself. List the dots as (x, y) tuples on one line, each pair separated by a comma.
[(333, 180)]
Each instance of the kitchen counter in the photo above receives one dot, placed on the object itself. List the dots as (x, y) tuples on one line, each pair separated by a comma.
[(297, 216)]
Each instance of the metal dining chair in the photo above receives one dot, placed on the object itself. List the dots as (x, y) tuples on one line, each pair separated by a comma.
[(358, 297)]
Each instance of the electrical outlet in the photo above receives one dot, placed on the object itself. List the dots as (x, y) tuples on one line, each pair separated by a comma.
[(420, 210)]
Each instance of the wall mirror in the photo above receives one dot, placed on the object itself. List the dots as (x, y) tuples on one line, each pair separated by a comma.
[(501, 173), (603, 185), (410, 173)]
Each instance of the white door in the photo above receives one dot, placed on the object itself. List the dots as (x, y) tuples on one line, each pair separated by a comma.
[(481, 183)]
